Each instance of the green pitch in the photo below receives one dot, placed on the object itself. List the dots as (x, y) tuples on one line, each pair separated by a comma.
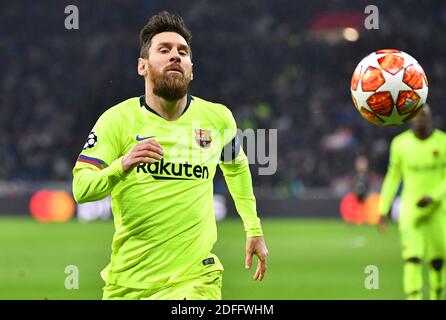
[(309, 259)]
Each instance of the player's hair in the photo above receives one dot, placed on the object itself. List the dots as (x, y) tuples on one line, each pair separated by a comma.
[(162, 22)]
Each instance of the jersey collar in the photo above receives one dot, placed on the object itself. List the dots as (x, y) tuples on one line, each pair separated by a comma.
[(143, 103)]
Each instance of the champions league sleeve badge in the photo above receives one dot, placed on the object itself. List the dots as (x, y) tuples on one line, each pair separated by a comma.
[(91, 141)]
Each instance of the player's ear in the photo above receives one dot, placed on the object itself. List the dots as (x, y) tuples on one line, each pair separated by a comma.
[(192, 73), (142, 67)]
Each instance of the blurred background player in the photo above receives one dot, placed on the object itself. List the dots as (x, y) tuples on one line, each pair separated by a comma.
[(157, 155), (361, 179), (418, 159)]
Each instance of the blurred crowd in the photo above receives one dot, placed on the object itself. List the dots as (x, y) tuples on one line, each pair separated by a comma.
[(259, 57)]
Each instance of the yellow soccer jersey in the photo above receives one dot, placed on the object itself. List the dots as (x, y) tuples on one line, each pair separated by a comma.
[(421, 166), (163, 212)]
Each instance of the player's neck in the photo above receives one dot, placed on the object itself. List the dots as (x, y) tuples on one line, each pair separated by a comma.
[(423, 134), (169, 110)]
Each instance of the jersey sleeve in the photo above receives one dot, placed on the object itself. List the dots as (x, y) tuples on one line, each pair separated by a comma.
[(98, 168), (392, 180), (439, 193), (235, 167)]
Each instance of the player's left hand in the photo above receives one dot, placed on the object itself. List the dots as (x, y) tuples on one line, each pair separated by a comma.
[(382, 224), (424, 202), (256, 246)]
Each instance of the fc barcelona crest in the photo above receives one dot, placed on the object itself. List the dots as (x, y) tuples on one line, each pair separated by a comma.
[(203, 138)]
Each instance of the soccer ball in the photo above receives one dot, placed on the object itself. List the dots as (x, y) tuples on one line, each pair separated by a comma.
[(389, 87)]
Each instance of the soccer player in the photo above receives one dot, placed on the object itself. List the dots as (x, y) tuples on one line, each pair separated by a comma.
[(418, 158), (157, 155)]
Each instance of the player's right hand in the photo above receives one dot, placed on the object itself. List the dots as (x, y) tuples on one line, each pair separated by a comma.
[(148, 151), (382, 224)]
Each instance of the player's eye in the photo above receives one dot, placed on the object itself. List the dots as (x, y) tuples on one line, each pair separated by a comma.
[(183, 53), (164, 50)]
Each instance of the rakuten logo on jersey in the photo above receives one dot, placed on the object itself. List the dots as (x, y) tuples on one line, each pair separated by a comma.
[(161, 170)]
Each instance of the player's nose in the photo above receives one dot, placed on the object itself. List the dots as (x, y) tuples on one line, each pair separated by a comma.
[(174, 55)]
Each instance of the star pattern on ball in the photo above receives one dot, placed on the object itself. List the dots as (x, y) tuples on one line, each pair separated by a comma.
[(361, 97), (394, 119), (422, 92), (388, 87), (393, 81)]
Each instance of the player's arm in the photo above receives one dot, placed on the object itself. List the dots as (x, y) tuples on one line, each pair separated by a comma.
[(92, 183), (98, 168), (391, 183), (439, 193), (235, 167), (101, 165)]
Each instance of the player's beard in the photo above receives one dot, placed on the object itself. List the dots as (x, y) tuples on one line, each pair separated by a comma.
[(169, 86)]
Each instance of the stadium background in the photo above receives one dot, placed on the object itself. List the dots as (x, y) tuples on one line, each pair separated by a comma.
[(276, 64)]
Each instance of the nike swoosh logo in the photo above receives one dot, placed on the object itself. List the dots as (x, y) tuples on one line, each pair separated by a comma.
[(138, 138)]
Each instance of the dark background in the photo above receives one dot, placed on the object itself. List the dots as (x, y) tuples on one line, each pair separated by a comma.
[(266, 60)]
